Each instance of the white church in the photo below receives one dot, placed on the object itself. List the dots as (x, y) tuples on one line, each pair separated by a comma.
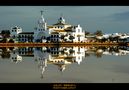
[(59, 32)]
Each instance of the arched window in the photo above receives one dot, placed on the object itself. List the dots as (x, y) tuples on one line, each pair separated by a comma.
[(78, 30)]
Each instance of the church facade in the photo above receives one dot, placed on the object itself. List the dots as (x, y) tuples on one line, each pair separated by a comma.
[(58, 32)]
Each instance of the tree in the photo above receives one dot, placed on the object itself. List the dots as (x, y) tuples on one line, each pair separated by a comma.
[(4, 40), (98, 33), (87, 33), (5, 33), (71, 37), (116, 39), (104, 40), (5, 53), (98, 55), (11, 41), (71, 51)]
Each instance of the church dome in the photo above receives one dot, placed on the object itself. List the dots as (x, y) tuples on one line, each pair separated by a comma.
[(61, 20)]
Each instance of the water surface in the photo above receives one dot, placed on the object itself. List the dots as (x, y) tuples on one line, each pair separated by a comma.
[(64, 65)]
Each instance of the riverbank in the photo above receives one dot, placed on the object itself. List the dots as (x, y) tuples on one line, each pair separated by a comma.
[(57, 44)]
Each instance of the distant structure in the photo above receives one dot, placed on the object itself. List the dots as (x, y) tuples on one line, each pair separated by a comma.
[(15, 57), (59, 32), (19, 36)]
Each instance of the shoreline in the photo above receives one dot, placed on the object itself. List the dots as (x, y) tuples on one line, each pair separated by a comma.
[(60, 44)]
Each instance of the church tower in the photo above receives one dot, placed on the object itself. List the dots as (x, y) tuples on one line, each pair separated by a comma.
[(41, 32), (41, 22)]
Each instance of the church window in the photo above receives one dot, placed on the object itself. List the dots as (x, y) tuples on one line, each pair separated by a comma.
[(19, 52), (79, 49), (78, 30), (78, 57)]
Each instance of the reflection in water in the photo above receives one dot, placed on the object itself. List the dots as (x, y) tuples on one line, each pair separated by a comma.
[(60, 56)]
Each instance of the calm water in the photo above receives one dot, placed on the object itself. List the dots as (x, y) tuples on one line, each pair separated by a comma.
[(64, 65)]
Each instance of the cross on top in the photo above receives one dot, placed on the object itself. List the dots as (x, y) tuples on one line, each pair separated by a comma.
[(41, 12)]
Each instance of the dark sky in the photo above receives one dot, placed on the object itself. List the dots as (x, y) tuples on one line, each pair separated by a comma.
[(109, 19)]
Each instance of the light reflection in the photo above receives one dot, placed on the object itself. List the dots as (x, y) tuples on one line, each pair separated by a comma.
[(60, 56)]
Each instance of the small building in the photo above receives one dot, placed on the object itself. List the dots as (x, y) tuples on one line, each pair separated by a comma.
[(66, 30), (14, 32), (15, 57), (25, 37)]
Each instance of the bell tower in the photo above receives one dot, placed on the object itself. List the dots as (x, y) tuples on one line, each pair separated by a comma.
[(41, 29), (41, 22)]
